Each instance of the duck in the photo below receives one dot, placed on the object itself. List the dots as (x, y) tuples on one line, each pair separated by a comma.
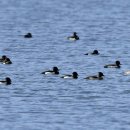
[(116, 65), (96, 77), (73, 76), (127, 72), (7, 61), (3, 58), (74, 37), (95, 52), (55, 70), (7, 81), (28, 35)]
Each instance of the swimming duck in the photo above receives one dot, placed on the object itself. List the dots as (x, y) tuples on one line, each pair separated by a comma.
[(116, 65), (74, 37), (28, 35), (95, 52), (96, 77), (7, 61), (73, 76), (127, 72), (7, 81), (55, 70)]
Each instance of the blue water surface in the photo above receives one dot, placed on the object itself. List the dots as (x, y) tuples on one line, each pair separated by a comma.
[(38, 102)]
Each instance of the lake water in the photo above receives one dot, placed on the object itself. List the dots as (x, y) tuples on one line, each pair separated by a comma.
[(38, 102)]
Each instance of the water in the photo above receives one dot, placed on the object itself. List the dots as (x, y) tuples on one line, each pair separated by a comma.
[(37, 102)]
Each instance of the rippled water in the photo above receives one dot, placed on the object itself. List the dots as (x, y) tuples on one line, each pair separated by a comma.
[(38, 102)]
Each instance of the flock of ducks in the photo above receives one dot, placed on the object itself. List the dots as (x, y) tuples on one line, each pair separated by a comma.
[(74, 75), (55, 71), (5, 60)]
